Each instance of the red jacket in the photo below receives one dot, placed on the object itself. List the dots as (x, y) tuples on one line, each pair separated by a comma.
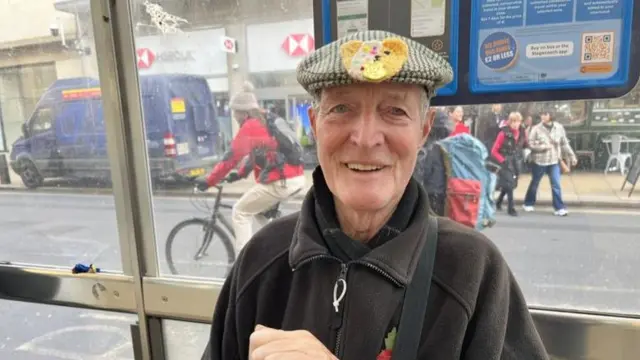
[(497, 146), (460, 128), (252, 138)]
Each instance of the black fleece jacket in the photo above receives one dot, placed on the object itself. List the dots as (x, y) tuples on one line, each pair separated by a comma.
[(285, 276)]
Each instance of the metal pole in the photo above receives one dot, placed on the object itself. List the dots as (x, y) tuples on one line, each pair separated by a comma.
[(115, 49)]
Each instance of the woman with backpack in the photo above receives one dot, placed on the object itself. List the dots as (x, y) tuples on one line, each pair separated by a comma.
[(507, 151)]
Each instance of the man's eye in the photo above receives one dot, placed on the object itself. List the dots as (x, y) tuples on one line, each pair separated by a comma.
[(397, 111), (340, 108)]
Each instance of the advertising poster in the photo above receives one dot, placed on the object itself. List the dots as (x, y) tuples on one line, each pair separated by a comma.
[(352, 16), (549, 44), (433, 24)]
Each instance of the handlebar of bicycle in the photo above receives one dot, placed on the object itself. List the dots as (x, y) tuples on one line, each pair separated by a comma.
[(271, 213), (218, 186)]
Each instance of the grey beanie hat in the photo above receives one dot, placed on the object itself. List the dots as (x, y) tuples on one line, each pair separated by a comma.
[(245, 100)]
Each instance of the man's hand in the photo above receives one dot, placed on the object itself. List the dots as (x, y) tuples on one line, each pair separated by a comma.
[(574, 162), (201, 183), (272, 344), (232, 177)]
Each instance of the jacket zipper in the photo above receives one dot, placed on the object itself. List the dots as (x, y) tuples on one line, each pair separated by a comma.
[(379, 271), (340, 291), (313, 258), (339, 294)]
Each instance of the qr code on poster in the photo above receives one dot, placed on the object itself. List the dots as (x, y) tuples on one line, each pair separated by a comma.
[(597, 47)]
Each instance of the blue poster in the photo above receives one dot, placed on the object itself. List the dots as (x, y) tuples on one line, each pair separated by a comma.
[(524, 45)]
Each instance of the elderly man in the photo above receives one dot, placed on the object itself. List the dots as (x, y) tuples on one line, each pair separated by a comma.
[(340, 279)]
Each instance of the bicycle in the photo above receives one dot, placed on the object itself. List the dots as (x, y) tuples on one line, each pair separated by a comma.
[(210, 228)]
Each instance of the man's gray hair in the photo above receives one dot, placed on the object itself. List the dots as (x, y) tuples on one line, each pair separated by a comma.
[(424, 103)]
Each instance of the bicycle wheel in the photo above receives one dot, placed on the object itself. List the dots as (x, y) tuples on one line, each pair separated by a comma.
[(207, 233)]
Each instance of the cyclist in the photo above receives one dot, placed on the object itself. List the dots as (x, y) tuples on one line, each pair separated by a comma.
[(276, 179)]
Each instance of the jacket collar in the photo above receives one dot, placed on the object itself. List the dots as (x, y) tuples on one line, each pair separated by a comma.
[(395, 258)]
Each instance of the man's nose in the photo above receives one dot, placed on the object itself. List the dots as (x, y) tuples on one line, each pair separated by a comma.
[(367, 130)]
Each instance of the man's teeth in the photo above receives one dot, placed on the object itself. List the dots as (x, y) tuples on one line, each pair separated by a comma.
[(363, 167)]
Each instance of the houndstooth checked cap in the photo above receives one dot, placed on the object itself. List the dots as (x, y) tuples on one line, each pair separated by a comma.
[(325, 68)]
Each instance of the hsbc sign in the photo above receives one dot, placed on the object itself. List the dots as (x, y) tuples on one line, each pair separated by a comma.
[(192, 53), (279, 46), (176, 55), (147, 57), (298, 44)]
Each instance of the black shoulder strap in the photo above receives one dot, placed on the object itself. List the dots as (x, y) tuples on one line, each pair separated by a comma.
[(416, 297)]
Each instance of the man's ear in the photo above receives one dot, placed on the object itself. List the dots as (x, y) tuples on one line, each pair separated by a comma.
[(312, 119), (428, 124)]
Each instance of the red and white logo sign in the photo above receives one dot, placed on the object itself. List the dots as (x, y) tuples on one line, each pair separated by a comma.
[(229, 44), (146, 57), (298, 44)]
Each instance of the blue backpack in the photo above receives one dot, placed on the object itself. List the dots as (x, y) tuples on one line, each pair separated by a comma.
[(469, 182)]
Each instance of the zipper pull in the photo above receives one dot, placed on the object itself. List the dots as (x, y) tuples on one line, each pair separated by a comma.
[(340, 283)]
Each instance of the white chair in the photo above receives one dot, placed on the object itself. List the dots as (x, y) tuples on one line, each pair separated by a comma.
[(616, 154)]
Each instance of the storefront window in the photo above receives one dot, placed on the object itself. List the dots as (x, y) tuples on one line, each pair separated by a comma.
[(624, 111), (275, 79), (567, 113)]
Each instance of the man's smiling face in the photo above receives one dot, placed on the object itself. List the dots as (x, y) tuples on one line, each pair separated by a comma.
[(368, 137)]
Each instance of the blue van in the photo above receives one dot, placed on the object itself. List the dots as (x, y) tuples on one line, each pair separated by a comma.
[(65, 135)]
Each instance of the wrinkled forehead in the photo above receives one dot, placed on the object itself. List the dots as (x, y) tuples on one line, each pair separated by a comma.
[(375, 92)]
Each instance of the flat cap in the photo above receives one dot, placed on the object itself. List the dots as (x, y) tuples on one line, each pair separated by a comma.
[(373, 56)]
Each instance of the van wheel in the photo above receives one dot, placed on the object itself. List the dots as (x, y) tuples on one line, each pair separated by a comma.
[(31, 177)]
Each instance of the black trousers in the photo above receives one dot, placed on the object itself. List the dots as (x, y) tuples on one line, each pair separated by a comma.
[(509, 194)]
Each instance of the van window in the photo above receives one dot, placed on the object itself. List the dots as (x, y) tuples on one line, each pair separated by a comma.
[(41, 121)]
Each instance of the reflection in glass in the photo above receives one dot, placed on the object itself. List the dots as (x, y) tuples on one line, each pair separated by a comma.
[(212, 51), (34, 331), (185, 340)]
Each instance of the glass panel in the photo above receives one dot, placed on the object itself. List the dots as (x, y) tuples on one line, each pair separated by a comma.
[(586, 260), (580, 261), (190, 68), (51, 116), (621, 112), (35, 332), (184, 340)]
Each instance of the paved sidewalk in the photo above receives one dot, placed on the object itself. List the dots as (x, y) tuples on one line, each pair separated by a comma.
[(578, 189)]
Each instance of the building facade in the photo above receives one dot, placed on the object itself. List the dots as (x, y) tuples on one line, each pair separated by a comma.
[(271, 37)]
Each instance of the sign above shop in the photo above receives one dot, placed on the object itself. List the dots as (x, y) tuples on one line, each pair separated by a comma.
[(298, 44), (195, 52), (146, 58)]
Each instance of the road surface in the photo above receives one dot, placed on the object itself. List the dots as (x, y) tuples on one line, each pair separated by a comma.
[(587, 260)]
